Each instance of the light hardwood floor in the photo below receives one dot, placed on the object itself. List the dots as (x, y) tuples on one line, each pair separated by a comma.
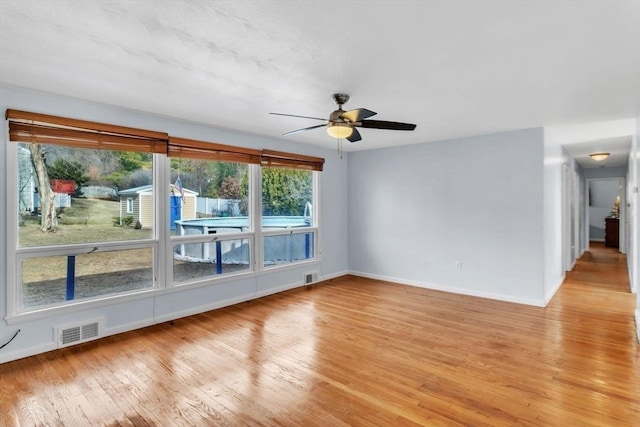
[(354, 351)]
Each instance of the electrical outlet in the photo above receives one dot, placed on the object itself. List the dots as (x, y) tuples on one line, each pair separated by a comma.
[(459, 265)]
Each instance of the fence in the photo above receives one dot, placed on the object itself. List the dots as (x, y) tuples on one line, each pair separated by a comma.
[(60, 200), (206, 206)]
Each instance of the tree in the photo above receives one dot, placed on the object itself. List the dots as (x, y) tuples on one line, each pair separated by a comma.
[(48, 216), (230, 190), (131, 161), (195, 175), (285, 191), (136, 178), (244, 194), (221, 171)]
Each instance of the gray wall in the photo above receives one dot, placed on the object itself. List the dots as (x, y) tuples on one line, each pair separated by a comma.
[(619, 172), (123, 314), (415, 211)]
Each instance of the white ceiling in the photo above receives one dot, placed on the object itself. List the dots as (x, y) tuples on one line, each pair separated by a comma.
[(455, 68)]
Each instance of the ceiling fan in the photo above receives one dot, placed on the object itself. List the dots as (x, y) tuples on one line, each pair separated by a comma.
[(342, 124)]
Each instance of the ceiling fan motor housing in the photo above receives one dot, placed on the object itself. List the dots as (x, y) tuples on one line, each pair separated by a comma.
[(340, 98), (335, 117)]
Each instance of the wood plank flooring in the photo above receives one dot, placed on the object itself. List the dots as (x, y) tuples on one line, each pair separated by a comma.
[(356, 352)]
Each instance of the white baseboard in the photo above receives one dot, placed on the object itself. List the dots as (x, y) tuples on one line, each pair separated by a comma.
[(551, 292), (26, 352), (637, 316), (453, 290), (334, 276), (191, 311)]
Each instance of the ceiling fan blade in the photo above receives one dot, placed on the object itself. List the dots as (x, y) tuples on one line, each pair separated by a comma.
[(381, 124), (355, 136), (357, 115), (301, 117), (304, 129)]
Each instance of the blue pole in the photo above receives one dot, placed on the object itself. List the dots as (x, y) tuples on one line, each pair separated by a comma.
[(71, 277), (307, 246), (218, 257)]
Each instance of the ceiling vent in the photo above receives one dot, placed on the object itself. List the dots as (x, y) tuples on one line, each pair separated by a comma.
[(76, 334)]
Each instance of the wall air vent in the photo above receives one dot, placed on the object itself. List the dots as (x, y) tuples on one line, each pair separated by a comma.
[(76, 334), (310, 277)]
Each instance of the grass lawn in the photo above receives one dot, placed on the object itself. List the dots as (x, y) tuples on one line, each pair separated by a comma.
[(87, 220)]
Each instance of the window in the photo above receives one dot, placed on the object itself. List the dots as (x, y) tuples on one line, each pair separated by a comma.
[(288, 221), (94, 220), (68, 178), (210, 218)]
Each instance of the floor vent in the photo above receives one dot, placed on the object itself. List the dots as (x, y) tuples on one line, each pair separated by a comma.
[(76, 334), (310, 277)]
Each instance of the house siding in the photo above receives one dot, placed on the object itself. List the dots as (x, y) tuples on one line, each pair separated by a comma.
[(145, 210)]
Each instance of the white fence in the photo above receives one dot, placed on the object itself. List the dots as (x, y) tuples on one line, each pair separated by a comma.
[(217, 207), (60, 200)]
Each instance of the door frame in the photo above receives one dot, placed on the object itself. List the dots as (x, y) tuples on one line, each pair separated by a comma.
[(622, 192)]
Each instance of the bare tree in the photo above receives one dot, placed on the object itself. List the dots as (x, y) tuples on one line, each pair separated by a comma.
[(49, 219)]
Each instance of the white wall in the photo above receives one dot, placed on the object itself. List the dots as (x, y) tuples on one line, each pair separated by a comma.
[(634, 253), (415, 211), (125, 314), (555, 159)]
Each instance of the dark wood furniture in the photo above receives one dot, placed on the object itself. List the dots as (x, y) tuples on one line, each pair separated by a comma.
[(611, 232)]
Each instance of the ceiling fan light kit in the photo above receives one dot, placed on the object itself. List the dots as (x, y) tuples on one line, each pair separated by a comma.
[(598, 157), (339, 130), (342, 124)]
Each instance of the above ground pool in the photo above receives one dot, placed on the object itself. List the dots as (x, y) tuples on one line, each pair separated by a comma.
[(212, 225)]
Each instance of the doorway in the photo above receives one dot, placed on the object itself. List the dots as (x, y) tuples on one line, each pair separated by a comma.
[(570, 217), (606, 212)]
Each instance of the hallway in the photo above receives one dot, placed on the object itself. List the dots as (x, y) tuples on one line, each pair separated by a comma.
[(599, 281)]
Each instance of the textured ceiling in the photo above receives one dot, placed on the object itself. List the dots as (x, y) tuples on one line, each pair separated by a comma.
[(455, 68)]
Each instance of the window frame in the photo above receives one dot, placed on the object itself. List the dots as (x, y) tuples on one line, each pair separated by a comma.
[(183, 148), (161, 242), (16, 254), (313, 228)]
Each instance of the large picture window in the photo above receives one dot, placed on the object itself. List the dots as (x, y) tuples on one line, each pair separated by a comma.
[(210, 216), (288, 222), (98, 207), (76, 237)]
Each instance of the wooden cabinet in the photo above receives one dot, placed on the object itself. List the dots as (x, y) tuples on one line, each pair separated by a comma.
[(611, 232)]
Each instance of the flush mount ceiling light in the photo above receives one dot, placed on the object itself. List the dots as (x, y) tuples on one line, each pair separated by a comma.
[(598, 157)]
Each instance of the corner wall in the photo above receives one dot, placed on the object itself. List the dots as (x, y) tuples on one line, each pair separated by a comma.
[(462, 215)]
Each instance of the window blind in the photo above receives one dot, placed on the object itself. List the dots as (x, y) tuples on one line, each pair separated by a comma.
[(46, 129), (193, 149), (279, 159)]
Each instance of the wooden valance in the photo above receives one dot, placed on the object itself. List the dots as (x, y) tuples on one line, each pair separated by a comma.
[(193, 149), (279, 159), (46, 129)]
